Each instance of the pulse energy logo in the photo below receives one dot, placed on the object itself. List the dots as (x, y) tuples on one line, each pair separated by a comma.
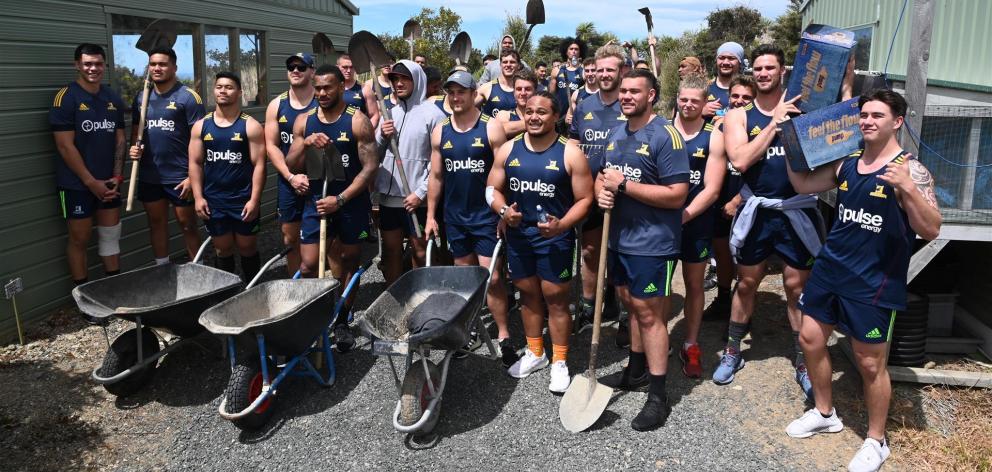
[(867, 220), (105, 125), (543, 189)]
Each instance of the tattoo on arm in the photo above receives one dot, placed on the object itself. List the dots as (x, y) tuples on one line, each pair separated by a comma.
[(368, 150), (119, 154), (924, 182)]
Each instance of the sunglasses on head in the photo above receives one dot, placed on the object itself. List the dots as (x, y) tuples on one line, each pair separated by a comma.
[(296, 66)]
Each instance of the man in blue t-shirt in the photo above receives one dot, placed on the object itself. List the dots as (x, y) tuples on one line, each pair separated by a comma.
[(644, 183), (87, 121), (163, 172)]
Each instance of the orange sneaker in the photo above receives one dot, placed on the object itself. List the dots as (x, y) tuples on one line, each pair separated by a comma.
[(691, 365)]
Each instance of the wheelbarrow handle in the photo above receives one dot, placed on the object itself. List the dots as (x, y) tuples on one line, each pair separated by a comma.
[(202, 250), (268, 264)]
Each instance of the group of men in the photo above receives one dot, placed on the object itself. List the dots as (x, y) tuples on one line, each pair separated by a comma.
[(483, 162)]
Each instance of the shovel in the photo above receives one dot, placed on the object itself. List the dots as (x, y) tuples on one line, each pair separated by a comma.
[(535, 16), (461, 48), (586, 399), (160, 33), (326, 165), (411, 31), (647, 17), (366, 53), (322, 47)]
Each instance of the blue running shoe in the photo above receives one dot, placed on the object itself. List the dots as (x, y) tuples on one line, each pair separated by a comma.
[(730, 363), (802, 378)]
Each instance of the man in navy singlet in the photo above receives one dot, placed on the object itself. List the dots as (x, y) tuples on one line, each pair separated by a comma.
[(461, 156), (773, 218), (163, 172), (729, 60), (279, 119), (358, 95), (885, 198), (541, 189), (594, 117), (591, 85), (346, 204), (524, 85), (707, 166), (644, 184), (567, 78), (227, 173), (498, 94), (87, 121), (541, 71)]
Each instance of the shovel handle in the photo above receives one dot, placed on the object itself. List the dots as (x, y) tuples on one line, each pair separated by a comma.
[(132, 184), (600, 288)]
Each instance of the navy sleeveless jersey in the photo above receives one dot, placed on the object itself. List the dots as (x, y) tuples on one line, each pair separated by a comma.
[(514, 116), (341, 134), (591, 124), (654, 154), (227, 167), (499, 99), (715, 92), (94, 119), (168, 122), (353, 97), (566, 82), (767, 177), (438, 101), (538, 178), (582, 94), (732, 180), (287, 117), (387, 99), (698, 149), (467, 159), (866, 255)]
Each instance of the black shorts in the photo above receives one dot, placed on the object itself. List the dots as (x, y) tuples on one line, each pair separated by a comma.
[(154, 192), (394, 218)]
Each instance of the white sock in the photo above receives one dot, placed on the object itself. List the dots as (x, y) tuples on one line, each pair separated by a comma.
[(161, 260)]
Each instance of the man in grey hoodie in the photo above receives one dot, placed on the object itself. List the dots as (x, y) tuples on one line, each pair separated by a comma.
[(492, 70), (412, 121)]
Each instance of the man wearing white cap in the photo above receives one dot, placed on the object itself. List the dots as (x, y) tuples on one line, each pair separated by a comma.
[(729, 58)]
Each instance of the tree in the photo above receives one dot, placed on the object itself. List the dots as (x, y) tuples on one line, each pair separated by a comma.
[(671, 51), (547, 49), (786, 29), (439, 29), (739, 24), (516, 27)]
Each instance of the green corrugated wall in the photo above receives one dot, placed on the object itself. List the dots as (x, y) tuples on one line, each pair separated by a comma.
[(37, 39), (959, 50)]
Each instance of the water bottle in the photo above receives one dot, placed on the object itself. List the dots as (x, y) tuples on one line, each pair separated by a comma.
[(542, 216)]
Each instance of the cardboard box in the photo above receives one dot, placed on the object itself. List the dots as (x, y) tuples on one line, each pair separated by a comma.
[(822, 136), (820, 65)]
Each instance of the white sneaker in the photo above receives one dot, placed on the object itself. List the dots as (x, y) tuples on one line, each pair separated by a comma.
[(527, 365), (560, 380), (870, 457), (813, 422)]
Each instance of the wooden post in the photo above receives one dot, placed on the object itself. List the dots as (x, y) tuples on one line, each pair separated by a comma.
[(916, 70)]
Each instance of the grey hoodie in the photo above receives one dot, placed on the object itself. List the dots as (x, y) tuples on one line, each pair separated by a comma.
[(493, 69), (414, 120)]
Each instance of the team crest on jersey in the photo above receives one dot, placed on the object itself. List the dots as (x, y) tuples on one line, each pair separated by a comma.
[(111, 107), (552, 165), (208, 137), (879, 192), (282, 119), (700, 152), (237, 137), (755, 131), (343, 136), (171, 106), (447, 145), (610, 146), (588, 116), (478, 143), (358, 96), (643, 150), (843, 186), (83, 107), (514, 163)]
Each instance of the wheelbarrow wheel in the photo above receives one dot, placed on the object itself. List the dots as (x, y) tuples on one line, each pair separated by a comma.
[(122, 355), (415, 395), (244, 387)]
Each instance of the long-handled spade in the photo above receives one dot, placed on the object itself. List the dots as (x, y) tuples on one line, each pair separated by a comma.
[(586, 398), (412, 31), (535, 16), (461, 49), (159, 33), (367, 52), (647, 17), (322, 47)]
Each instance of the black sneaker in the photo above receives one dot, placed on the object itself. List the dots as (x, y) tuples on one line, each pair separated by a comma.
[(508, 353), (719, 309), (583, 318), (709, 283), (343, 339), (623, 334), (623, 381), (652, 416)]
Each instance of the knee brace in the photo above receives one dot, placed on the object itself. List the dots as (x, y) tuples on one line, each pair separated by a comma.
[(109, 240)]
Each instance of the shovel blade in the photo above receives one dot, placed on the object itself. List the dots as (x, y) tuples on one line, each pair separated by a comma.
[(647, 17), (160, 33), (461, 48), (411, 29), (364, 48), (583, 403), (535, 12), (313, 160), (322, 44)]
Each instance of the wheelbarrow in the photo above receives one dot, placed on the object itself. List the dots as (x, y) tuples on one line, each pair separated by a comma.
[(161, 299), (277, 320), (450, 299)]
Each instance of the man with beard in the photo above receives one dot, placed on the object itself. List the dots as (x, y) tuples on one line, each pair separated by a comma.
[(729, 58), (524, 86), (541, 70), (280, 116), (163, 172), (644, 183), (347, 204), (498, 94), (355, 94)]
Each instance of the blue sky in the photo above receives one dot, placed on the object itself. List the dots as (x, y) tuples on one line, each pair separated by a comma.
[(484, 19)]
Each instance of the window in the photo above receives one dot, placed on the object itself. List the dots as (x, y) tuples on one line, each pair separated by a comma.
[(222, 48), (862, 52)]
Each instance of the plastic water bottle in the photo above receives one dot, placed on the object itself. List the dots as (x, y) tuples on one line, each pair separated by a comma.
[(542, 216)]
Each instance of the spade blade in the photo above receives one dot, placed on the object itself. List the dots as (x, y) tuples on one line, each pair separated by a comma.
[(461, 48), (313, 161), (411, 29), (160, 33), (335, 164), (647, 16), (322, 44), (535, 12), (365, 48)]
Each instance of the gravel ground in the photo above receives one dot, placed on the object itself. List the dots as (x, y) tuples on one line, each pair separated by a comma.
[(55, 418)]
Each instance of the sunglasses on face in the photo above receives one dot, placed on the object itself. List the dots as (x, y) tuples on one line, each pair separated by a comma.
[(297, 67)]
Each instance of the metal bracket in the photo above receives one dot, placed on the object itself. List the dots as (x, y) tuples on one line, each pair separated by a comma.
[(923, 257)]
